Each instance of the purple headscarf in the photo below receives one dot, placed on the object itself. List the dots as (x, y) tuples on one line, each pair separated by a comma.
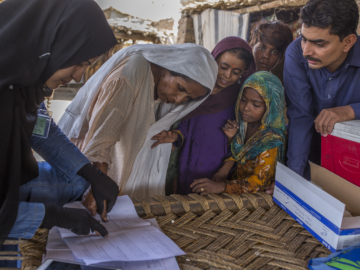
[(228, 96)]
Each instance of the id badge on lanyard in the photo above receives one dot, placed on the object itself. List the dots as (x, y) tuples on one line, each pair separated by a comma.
[(42, 125)]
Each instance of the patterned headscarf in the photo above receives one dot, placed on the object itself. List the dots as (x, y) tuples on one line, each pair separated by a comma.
[(271, 133)]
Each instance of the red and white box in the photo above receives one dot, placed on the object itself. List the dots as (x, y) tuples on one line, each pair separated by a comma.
[(340, 151)]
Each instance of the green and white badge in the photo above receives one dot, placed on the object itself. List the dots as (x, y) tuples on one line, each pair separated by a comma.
[(42, 125)]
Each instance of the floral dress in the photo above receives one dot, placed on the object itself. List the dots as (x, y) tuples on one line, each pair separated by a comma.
[(255, 175)]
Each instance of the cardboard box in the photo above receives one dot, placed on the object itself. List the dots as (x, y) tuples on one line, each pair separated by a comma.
[(319, 205)]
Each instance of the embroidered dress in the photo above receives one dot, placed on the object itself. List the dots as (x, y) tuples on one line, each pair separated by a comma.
[(256, 158), (255, 175)]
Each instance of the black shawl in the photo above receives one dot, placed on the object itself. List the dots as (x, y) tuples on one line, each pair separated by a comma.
[(37, 38)]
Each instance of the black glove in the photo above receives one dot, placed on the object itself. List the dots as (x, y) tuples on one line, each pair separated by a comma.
[(103, 187), (78, 221)]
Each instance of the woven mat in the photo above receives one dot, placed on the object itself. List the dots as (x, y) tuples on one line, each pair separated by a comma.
[(255, 234), (31, 251), (261, 239)]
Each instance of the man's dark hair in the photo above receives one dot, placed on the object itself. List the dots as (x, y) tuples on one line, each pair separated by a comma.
[(275, 33), (341, 16)]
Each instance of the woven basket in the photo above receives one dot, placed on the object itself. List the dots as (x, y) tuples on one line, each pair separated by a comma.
[(219, 232)]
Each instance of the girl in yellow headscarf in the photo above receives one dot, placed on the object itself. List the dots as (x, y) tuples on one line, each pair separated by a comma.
[(257, 143)]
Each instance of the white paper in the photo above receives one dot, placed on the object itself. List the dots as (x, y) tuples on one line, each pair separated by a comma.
[(55, 241), (162, 264), (140, 244), (130, 238), (57, 250), (67, 257), (123, 216)]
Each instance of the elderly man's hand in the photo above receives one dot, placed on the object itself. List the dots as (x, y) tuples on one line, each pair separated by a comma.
[(327, 118)]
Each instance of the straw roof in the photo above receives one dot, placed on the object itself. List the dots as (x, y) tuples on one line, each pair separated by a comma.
[(239, 6)]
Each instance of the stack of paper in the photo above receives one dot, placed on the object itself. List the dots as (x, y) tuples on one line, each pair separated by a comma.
[(133, 243)]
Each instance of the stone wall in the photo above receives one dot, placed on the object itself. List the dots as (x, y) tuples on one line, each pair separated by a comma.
[(186, 32)]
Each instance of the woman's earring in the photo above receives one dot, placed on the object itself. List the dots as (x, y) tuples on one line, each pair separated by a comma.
[(239, 81)]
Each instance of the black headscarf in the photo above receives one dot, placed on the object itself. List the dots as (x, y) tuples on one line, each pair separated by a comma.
[(37, 38)]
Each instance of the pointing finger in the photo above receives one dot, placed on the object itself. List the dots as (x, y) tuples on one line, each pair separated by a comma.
[(96, 226)]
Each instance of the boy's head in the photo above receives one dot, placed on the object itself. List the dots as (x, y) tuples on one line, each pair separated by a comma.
[(328, 31), (269, 41)]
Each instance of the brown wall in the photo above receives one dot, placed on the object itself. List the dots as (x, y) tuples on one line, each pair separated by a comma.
[(186, 32)]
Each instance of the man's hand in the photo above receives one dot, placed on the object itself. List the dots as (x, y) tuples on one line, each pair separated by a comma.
[(327, 118), (206, 186), (164, 137), (78, 221), (103, 188), (230, 129)]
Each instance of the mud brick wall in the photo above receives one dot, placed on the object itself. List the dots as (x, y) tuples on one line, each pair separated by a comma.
[(186, 32)]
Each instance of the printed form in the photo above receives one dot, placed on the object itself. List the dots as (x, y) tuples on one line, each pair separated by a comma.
[(130, 238), (57, 250)]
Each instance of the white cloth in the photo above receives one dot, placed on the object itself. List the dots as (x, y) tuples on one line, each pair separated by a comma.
[(148, 172), (119, 118), (213, 25)]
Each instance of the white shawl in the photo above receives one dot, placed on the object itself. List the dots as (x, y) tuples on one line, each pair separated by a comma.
[(149, 169)]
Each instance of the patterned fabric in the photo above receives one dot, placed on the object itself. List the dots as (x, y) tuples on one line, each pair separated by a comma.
[(271, 133), (255, 175)]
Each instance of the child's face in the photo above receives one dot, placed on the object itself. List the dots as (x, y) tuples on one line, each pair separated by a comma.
[(266, 56), (230, 69), (252, 106)]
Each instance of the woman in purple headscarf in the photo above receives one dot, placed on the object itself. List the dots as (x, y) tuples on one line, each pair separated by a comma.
[(200, 135)]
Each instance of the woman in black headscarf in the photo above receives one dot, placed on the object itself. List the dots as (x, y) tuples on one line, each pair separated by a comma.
[(45, 43)]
